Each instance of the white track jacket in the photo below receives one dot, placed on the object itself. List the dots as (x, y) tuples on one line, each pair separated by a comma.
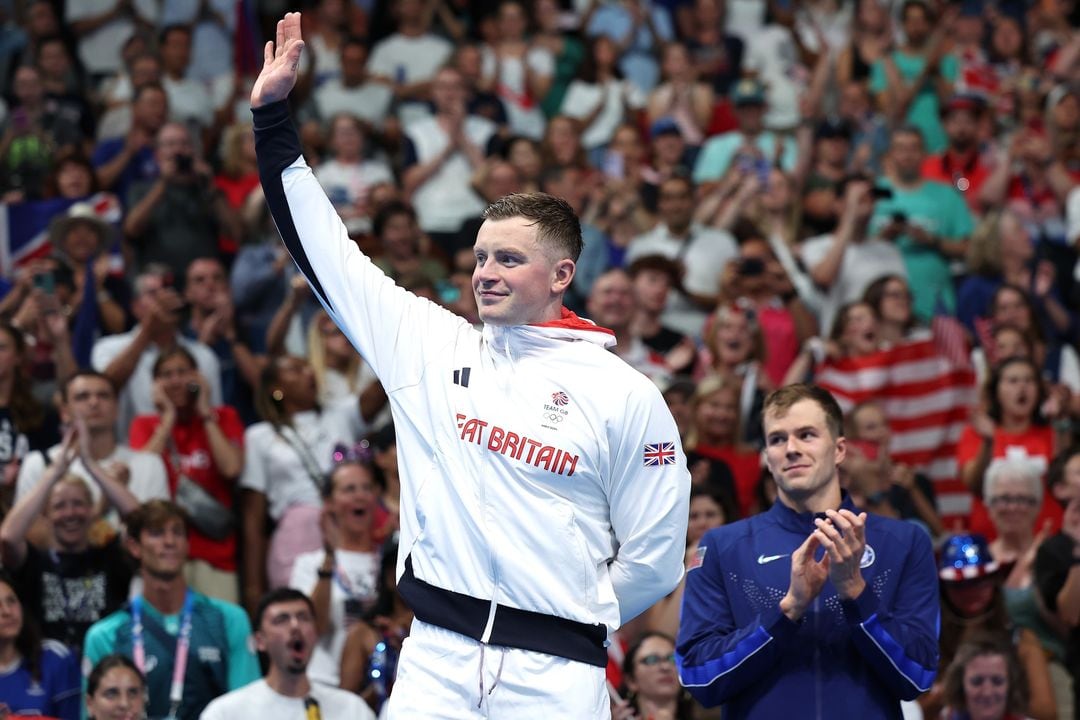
[(538, 470)]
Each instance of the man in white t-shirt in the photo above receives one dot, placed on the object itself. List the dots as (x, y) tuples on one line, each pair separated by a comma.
[(354, 92), (408, 59), (128, 359), (441, 154), (189, 99), (701, 251), (91, 396), (844, 263), (285, 632), (103, 27)]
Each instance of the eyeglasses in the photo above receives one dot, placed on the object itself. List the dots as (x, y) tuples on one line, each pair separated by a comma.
[(1021, 500), (656, 659), (980, 680)]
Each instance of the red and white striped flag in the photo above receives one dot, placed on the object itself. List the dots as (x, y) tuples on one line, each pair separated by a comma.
[(926, 397)]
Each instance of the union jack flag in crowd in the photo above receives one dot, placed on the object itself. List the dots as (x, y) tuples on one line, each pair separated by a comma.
[(659, 454)]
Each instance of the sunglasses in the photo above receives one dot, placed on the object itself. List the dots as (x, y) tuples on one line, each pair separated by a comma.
[(656, 659)]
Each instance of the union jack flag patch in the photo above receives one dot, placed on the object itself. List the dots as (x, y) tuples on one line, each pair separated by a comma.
[(659, 454)]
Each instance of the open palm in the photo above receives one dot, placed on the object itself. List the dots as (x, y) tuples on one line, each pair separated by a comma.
[(280, 61)]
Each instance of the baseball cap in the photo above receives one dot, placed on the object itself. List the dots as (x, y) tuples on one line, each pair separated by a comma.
[(964, 101), (664, 126), (966, 557), (832, 128), (748, 92)]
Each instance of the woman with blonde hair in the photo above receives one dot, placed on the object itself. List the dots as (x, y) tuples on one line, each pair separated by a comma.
[(239, 177), (714, 452), (338, 368)]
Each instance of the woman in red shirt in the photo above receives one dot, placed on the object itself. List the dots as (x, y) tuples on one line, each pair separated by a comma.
[(1014, 426), (202, 445)]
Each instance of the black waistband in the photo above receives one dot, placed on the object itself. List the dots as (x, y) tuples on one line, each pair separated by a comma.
[(512, 627)]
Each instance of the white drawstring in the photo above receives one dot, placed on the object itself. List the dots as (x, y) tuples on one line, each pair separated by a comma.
[(498, 674)]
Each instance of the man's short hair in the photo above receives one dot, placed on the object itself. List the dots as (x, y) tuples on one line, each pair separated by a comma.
[(556, 223), (280, 595), (153, 515), (388, 211), (928, 12), (152, 86), (66, 387), (656, 263), (783, 399), (907, 129), (168, 30), (153, 270)]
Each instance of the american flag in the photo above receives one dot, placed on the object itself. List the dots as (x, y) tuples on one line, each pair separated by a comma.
[(951, 340), (926, 397), (659, 454)]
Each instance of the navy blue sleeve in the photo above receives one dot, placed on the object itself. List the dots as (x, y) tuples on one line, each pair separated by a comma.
[(717, 658), (900, 642), (277, 146)]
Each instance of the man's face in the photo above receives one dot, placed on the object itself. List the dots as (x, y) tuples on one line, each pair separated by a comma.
[(676, 205), (651, 288), (907, 155), (176, 51), (287, 635), (961, 129), (916, 25), (205, 284), (750, 118), (448, 92), (91, 399), (54, 61), (516, 281), (801, 453), (162, 551), (173, 140), (353, 60), (611, 300), (854, 101), (150, 110), (399, 236)]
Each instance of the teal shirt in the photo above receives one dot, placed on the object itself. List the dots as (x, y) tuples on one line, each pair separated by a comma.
[(941, 210), (718, 152), (924, 111), (221, 656)]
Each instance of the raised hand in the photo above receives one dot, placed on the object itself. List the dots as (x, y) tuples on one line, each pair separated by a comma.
[(280, 62)]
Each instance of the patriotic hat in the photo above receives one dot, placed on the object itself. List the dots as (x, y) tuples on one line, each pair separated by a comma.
[(966, 557)]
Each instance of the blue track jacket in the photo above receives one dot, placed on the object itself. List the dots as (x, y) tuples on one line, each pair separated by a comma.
[(854, 659)]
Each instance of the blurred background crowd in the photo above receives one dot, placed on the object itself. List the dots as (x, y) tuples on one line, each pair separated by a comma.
[(879, 196)]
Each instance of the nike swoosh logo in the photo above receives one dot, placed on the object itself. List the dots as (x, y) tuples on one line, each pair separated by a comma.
[(764, 559)]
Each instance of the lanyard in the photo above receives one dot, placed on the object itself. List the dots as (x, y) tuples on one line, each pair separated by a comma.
[(183, 643)]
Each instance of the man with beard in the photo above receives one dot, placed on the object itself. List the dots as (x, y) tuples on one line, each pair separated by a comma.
[(285, 632), (961, 164)]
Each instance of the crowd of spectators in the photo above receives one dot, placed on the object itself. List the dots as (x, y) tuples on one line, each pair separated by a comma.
[(769, 191)]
